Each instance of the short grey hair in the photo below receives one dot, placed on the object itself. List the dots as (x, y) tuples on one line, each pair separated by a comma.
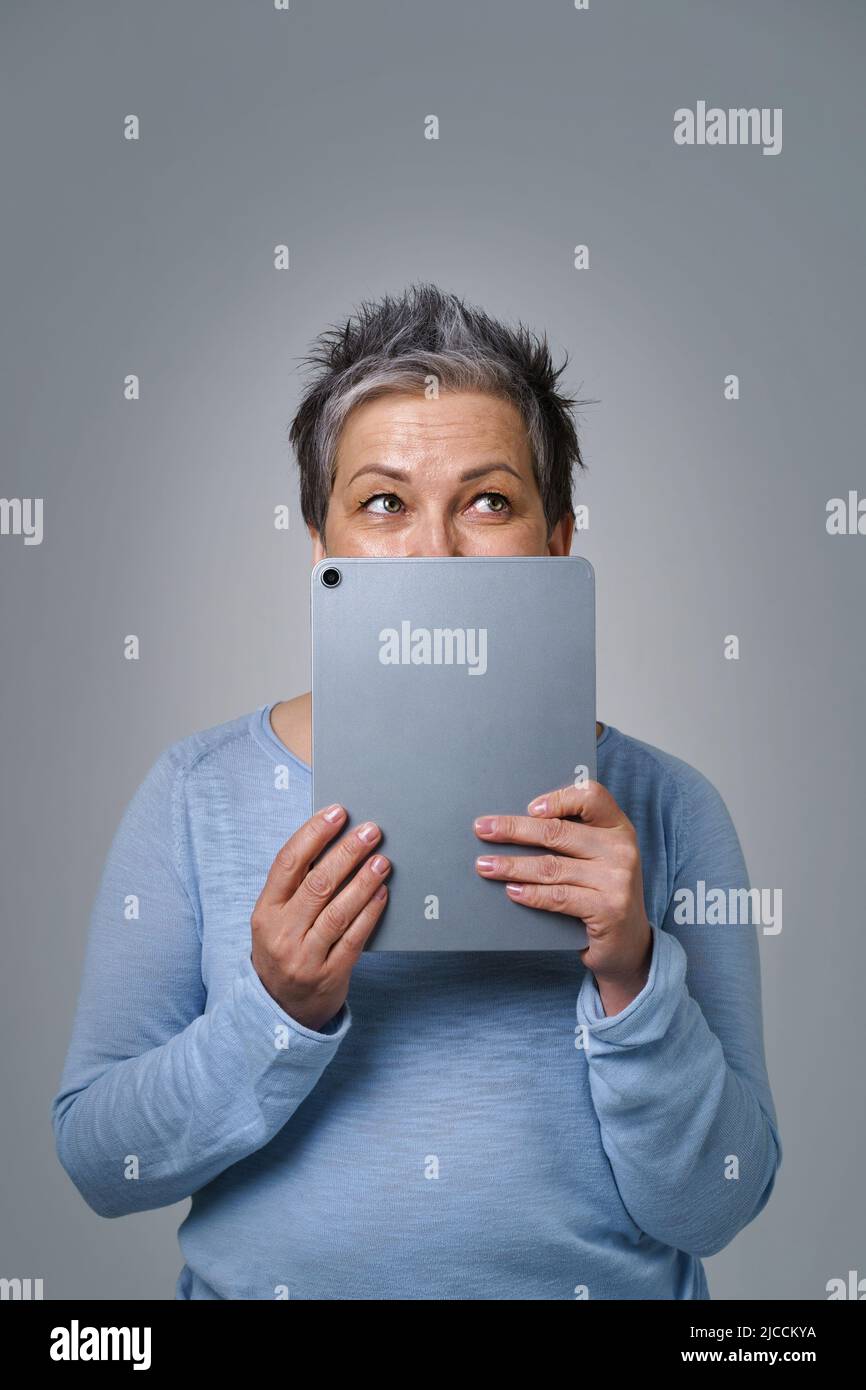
[(396, 344)]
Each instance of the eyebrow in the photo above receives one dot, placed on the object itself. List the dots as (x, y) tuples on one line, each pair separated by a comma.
[(402, 476)]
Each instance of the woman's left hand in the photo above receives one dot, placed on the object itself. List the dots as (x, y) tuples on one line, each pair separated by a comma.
[(590, 869)]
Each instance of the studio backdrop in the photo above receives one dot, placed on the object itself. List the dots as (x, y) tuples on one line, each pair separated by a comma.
[(191, 193)]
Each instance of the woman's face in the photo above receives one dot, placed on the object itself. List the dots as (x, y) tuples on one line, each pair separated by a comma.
[(445, 476)]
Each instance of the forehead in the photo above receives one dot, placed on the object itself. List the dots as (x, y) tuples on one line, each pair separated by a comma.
[(456, 423)]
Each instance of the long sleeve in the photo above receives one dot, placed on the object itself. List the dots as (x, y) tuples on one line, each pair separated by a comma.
[(678, 1079), (160, 1094)]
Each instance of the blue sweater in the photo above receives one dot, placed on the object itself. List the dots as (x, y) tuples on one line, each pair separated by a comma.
[(447, 1135)]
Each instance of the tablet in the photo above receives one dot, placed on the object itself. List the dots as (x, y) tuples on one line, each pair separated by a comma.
[(444, 689)]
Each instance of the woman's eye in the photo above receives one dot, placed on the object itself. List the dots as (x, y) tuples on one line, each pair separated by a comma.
[(499, 497), (391, 503), (385, 497)]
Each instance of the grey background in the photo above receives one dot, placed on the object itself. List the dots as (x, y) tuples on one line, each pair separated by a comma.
[(707, 516)]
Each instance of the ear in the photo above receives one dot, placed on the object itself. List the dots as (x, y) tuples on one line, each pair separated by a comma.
[(561, 535)]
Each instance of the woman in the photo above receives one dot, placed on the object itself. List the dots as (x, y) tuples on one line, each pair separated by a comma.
[(492, 1125)]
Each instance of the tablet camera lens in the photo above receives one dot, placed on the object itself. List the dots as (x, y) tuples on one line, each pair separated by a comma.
[(331, 578)]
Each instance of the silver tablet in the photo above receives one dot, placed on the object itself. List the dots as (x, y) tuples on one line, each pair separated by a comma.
[(445, 689)]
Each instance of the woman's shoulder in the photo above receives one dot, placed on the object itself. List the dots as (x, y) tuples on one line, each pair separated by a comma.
[(645, 766), (212, 744), (240, 746), (659, 789)]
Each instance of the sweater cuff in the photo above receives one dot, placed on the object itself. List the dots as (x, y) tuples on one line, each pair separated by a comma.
[(268, 1011), (647, 1017), (283, 1059)]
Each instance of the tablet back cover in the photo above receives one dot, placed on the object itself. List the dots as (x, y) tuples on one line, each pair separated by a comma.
[(445, 689)]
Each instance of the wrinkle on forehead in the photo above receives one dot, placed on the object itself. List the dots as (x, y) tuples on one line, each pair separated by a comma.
[(460, 427)]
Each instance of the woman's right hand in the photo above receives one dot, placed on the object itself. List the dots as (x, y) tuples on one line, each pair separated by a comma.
[(307, 936)]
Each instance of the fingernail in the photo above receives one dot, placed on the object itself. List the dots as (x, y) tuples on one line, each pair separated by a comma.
[(333, 813), (486, 864), (368, 832), (485, 824), (538, 807), (381, 892), (514, 888), (379, 864)]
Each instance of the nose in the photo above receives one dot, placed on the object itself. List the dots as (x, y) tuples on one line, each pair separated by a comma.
[(434, 538)]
